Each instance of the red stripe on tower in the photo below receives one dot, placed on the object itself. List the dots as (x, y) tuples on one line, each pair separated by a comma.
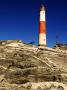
[(42, 27)]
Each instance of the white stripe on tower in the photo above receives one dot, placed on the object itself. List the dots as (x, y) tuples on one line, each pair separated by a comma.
[(42, 27)]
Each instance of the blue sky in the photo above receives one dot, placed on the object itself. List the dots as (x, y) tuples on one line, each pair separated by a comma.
[(19, 19)]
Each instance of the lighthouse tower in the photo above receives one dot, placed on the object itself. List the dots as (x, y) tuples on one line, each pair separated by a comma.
[(42, 27)]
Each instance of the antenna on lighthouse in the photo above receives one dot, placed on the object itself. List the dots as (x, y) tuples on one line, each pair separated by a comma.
[(57, 39)]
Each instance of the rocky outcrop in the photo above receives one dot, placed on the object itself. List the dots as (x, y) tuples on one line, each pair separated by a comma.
[(22, 63)]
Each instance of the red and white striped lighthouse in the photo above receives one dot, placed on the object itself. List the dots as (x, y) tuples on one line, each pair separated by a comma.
[(42, 27)]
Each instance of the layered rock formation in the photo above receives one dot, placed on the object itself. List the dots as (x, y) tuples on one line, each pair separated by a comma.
[(23, 65)]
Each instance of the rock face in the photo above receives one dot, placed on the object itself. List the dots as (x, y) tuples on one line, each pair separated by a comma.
[(22, 63)]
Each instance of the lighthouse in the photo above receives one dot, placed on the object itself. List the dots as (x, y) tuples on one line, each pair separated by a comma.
[(42, 27)]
